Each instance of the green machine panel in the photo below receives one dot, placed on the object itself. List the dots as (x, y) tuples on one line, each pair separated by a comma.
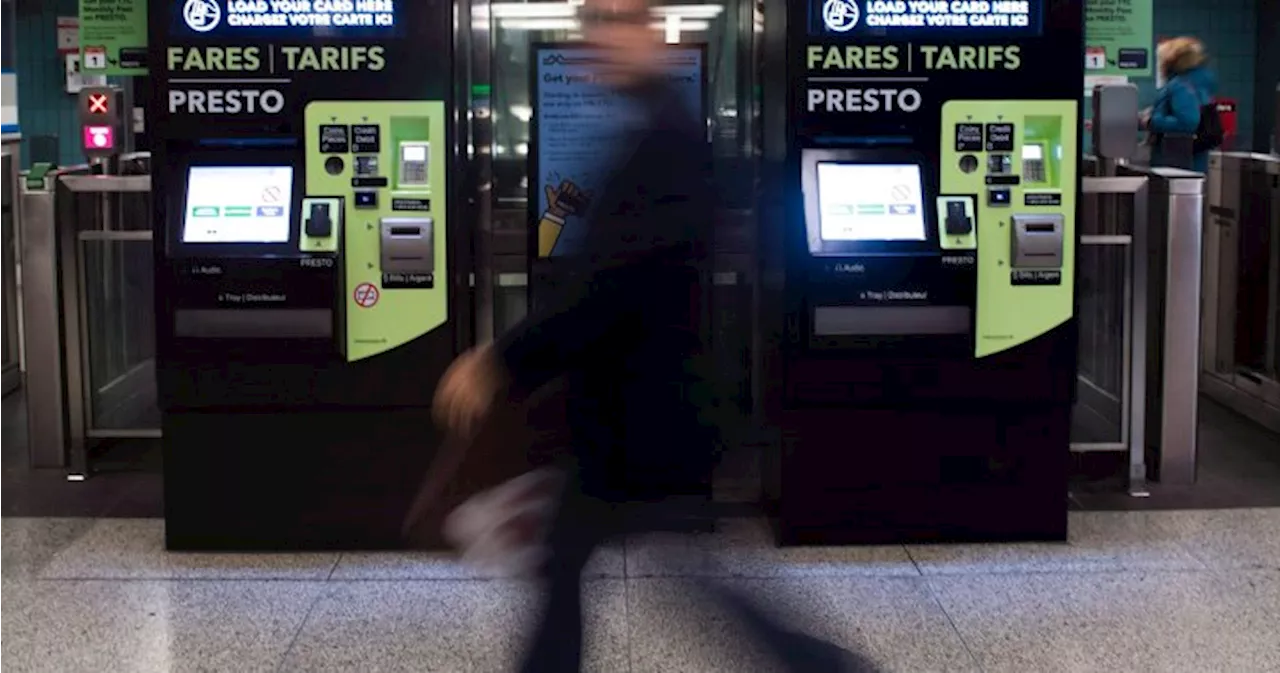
[(1015, 164), (384, 161)]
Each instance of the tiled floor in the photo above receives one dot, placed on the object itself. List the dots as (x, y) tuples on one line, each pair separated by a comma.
[(126, 482), (1238, 466), (1133, 591)]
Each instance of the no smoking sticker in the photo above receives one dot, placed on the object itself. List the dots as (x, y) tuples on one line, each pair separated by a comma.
[(366, 295)]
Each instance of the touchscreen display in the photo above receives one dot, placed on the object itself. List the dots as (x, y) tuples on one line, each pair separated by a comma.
[(870, 202), (238, 204)]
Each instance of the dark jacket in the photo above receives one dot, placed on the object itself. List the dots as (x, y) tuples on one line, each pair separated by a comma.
[(647, 235), (624, 325), (1176, 111)]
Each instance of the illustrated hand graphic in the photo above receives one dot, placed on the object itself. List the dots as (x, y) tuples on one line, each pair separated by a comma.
[(567, 199)]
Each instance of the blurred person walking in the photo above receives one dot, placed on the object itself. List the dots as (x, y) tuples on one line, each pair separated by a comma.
[(624, 332), (1183, 122)]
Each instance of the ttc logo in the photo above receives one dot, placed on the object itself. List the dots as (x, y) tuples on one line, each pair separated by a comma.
[(840, 16), (201, 16)]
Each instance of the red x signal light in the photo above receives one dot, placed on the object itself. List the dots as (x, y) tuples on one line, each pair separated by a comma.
[(98, 103)]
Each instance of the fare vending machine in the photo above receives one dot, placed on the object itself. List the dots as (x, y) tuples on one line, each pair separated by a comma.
[(928, 203), (305, 265)]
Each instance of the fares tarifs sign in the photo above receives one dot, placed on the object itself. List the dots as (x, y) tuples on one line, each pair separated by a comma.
[(262, 61), (890, 78), (251, 79), (889, 61)]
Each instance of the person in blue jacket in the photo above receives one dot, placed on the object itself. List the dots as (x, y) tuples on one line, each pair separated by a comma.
[(1189, 85)]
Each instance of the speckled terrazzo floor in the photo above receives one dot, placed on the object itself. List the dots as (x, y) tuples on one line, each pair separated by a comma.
[(1133, 591)]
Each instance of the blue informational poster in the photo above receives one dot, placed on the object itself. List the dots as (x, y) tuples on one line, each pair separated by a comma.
[(576, 125)]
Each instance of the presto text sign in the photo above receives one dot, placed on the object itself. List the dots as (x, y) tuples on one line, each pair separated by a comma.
[(888, 78), (224, 101), (245, 79)]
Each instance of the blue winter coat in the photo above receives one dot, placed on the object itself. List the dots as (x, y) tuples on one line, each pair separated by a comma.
[(1177, 110)]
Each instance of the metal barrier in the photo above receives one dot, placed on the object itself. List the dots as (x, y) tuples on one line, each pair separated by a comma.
[(1173, 334), (1112, 283), (12, 278), (1240, 358), (89, 315), (42, 325), (1138, 315)]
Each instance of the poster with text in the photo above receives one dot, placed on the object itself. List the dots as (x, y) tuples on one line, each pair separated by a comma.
[(576, 124), (1118, 38), (113, 37)]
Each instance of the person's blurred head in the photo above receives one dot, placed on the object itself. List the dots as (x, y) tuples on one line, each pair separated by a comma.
[(1179, 55), (623, 29)]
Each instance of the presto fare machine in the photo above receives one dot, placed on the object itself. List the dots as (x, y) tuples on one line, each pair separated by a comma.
[(929, 356), (304, 324)]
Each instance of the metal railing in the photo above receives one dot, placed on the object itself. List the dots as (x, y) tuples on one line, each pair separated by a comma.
[(1240, 358), (47, 421), (89, 309), (12, 313), (1112, 287), (1139, 308), (1240, 332), (1173, 335)]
